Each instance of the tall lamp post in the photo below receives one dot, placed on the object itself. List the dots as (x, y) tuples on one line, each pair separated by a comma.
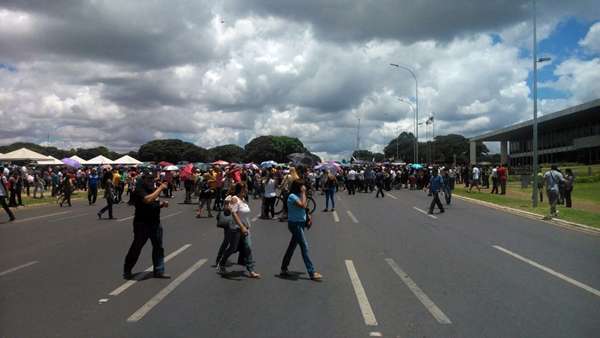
[(534, 197), (408, 69), (410, 105)]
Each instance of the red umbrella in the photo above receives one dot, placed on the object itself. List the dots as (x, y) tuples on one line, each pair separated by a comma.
[(165, 164), (186, 171)]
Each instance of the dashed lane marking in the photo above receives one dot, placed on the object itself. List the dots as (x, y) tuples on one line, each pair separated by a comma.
[(141, 312), (171, 215), (361, 295), (425, 212), (550, 271), (375, 334), (42, 216), (416, 290), (351, 215), (392, 196), (6, 272), (255, 218), (336, 218), (124, 219), (129, 283)]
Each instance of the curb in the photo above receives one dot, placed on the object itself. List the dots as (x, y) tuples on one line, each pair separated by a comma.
[(531, 215)]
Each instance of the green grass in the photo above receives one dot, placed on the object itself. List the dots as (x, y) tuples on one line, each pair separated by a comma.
[(583, 193), (29, 200)]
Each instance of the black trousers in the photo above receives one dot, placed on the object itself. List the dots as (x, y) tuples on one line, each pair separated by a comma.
[(92, 194), (270, 206), (436, 201), (230, 245), (6, 208), (568, 197), (109, 207), (351, 187), (141, 233), (503, 187), (379, 190), (494, 185)]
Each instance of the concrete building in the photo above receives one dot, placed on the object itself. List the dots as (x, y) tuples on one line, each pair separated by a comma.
[(570, 135)]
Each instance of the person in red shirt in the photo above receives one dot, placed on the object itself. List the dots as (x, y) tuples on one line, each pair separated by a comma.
[(502, 177)]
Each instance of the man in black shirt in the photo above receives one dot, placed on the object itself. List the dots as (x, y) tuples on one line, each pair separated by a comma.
[(146, 225)]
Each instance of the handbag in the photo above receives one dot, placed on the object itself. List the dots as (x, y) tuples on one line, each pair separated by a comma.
[(224, 219), (309, 222)]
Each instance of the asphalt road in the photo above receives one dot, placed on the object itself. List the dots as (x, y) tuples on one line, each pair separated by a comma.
[(389, 270)]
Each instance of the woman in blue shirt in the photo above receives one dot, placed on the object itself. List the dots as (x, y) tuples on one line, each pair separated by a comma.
[(296, 204)]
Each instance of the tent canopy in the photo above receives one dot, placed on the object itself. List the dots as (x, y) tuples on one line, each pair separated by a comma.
[(78, 159), (99, 160), (23, 154), (50, 161), (127, 160)]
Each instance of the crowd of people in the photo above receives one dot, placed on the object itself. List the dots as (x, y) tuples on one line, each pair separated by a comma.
[(226, 191)]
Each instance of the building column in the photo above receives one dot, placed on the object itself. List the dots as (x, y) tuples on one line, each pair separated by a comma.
[(472, 152), (504, 152)]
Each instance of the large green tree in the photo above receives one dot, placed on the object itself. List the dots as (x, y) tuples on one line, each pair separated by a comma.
[(405, 145), (276, 148), (173, 151), (228, 152), (363, 155)]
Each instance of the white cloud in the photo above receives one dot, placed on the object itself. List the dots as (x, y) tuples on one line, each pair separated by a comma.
[(592, 38)]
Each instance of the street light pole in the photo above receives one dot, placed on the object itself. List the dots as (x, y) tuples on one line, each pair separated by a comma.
[(535, 122), (416, 157), (416, 126)]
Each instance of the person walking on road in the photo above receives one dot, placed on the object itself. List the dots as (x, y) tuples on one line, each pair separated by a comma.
[(67, 190), (553, 179), (270, 195), (351, 181), (436, 183), (569, 182), (329, 186), (297, 222), (92, 187), (3, 195), (475, 179), (379, 181), (448, 179), (108, 195), (238, 235), (146, 225)]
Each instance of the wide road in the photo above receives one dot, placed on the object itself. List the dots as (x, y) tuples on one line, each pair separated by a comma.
[(390, 270)]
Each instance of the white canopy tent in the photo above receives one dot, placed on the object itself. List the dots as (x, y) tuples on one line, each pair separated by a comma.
[(99, 160), (127, 160), (23, 154), (78, 159), (50, 161)]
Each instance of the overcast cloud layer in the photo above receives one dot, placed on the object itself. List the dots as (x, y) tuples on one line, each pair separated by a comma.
[(119, 73)]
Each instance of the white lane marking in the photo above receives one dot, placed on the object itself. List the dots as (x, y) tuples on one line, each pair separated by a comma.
[(124, 219), (351, 215), (550, 271), (336, 218), (102, 300), (361, 296), (6, 272), (375, 334), (42, 216), (129, 283), (338, 197), (425, 212), (171, 215), (255, 218), (392, 196), (68, 217), (425, 300), (141, 312)]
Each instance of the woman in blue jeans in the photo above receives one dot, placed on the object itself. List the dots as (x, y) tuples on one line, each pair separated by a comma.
[(296, 203), (329, 187)]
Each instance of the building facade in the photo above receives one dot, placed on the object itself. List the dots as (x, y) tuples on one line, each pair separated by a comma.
[(571, 135)]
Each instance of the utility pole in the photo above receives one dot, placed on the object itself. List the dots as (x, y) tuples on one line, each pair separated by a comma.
[(358, 135), (535, 122)]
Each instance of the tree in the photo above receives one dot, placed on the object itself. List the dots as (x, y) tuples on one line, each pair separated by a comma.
[(276, 148), (363, 155), (93, 152), (406, 147), (172, 151), (228, 152), (379, 157)]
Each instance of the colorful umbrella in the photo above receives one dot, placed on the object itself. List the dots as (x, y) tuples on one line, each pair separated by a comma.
[(69, 162), (268, 164), (164, 164), (220, 162), (250, 166), (187, 171), (171, 168)]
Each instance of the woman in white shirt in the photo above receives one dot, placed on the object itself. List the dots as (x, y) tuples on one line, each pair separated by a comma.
[(239, 230), (270, 195)]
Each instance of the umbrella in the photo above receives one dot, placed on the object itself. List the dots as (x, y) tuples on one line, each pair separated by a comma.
[(250, 166), (164, 163), (330, 166), (302, 158), (69, 162), (171, 168), (416, 166), (268, 164), (187, 171), (220, 162)]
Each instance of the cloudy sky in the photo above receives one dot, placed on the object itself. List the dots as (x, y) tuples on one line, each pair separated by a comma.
[(120, 73)]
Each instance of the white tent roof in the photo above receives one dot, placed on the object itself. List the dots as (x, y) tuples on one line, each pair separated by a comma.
[(50, 161), (23, 154), (126, 160), (78, 159), (99, 160)]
